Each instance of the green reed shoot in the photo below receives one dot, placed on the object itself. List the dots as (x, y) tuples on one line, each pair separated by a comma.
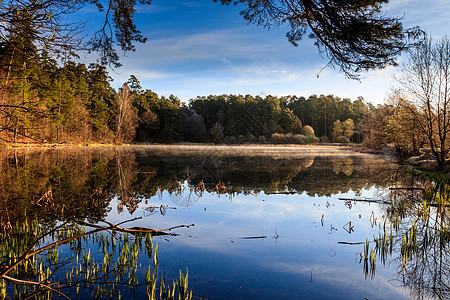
[(73, 265)]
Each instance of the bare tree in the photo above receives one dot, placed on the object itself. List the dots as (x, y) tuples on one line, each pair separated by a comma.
[(126, 120), (426, 85)]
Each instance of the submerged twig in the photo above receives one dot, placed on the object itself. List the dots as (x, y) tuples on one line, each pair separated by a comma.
[(350, 227)]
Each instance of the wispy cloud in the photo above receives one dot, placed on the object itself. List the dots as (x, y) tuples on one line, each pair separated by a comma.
[(220, 45), (154, 8), (217, 53), (142, 75), (431, 16)]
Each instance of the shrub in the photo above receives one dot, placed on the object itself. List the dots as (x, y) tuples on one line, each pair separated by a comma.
[(217, 133), (262, 139), (310, 139), (241, 139), (343, 139), (276, 138), (307, 130), (289, 138), (230, 139), (324, 139), (251, 138)]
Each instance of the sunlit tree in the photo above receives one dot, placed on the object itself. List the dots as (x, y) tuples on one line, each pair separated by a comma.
[(348, 128), (426, 85), (336, 130), (400, 127)]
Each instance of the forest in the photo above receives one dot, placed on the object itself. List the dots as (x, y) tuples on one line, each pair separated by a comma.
[(43, 101), (46, 96)]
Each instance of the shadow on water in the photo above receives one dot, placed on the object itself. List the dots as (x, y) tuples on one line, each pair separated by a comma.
[(236, 197)]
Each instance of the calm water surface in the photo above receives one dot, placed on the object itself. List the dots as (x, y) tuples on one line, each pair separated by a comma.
[(277, 229)]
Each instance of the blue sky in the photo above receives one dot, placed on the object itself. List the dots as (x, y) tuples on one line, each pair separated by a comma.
[(198, 48)]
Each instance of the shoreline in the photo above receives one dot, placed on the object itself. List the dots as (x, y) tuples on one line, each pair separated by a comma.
[(89, 145)]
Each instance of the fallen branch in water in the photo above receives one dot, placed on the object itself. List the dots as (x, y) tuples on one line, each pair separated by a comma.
[(282, 193), (253, 237), (30, 253), (350, 243), (407, 188), (365, 200), (133, 229), (152, 231), (169, 229), (26, 282)]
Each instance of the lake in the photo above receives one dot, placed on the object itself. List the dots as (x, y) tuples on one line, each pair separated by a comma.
[(264, 222)]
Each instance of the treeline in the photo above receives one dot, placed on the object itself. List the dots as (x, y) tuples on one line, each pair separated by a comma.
[(240, 119), (329, 118), (42, 101)]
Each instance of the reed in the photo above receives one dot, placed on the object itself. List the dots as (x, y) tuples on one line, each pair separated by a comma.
[(416, 235)]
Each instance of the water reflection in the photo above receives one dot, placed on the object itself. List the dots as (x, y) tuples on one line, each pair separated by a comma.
[(73, 177), (415, 239), (289, 197)]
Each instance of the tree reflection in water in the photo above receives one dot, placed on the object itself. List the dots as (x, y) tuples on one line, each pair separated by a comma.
[(80, 176)]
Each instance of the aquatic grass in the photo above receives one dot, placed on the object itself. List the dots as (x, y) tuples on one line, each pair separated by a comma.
[(409, 243), (47, 261), (368, 257), (416, 235), (384, 243)]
